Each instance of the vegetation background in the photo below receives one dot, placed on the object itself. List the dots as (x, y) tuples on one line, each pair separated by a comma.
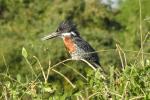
[(117, 29)]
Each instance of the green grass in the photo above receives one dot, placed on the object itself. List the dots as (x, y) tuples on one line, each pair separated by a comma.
[(130, 83), (31, 69)]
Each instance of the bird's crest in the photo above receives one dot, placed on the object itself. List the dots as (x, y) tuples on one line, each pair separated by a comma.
[(67, 26)]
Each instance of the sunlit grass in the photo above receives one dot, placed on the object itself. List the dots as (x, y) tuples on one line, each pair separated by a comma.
[(130, 83)]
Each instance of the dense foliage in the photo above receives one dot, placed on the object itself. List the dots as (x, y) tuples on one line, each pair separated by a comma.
[(114, 33)]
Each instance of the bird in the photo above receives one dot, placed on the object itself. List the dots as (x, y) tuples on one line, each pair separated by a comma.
[(77, 47)]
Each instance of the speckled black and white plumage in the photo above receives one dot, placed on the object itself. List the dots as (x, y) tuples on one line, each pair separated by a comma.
[(83, 49), (78, 48)]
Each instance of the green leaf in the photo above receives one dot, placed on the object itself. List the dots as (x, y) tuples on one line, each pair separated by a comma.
[(24, 52), (48, 89), (18, 77)]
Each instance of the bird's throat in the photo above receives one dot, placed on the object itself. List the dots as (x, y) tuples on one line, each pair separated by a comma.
[(69, 44)]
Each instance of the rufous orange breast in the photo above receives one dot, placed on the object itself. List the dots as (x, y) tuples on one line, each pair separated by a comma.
[(69, 44)]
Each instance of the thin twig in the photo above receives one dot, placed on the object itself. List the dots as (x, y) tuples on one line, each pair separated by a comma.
[(93, 95), (125, 59), (76, 72), (31, 67), (89, 64), (64, 78), (121, 59), (141, 35), (137, 98), (108, 50), (41, 68), (146, 36), (124, 92), (48, 71), (60, 63), (7, 67), (116, 94)]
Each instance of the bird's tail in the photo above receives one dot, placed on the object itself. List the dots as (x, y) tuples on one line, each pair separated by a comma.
[(98, 66)]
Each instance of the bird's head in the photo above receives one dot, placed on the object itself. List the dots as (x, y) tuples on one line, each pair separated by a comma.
[(65, 28)]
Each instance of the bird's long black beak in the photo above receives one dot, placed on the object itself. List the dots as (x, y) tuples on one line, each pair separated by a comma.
[(50, 36)]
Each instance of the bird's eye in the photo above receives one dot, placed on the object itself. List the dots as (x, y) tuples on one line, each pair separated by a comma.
[(59, 29)]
